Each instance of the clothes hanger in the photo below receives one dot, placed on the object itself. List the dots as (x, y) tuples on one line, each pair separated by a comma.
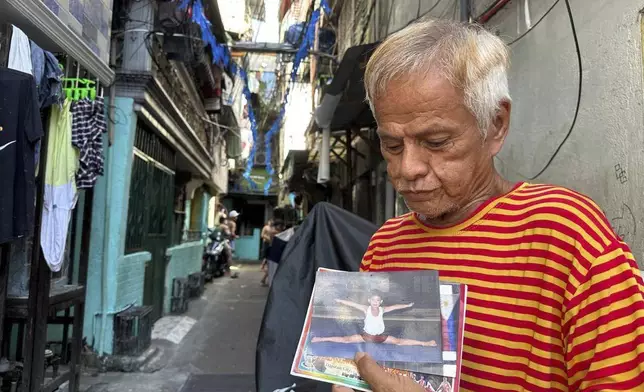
[(78, 88)]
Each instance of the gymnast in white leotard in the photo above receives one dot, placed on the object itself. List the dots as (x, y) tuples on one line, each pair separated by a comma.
[(374, 325)]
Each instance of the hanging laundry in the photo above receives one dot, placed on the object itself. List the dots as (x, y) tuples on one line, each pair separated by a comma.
[(88, 127), (20, 128), (48, 75), (20, 52), (60, 188), (6, 30)]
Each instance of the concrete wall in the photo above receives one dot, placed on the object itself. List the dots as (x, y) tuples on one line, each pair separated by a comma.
[(185, 259), (186, 221), (388, 16), (197, 209), (205, 211), (197, 212), (90, 19), (603, 156), (109, 218), (220, 170)]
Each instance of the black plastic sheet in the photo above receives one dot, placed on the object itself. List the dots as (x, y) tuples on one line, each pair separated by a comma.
[(329, 237)]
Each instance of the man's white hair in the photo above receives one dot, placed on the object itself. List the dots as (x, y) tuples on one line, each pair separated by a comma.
[(474, 60)]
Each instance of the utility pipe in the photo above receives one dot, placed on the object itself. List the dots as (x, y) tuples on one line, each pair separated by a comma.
[(491, 11), (111, 111), (376, 22), (465, 10), (325, 147), (106, 234)]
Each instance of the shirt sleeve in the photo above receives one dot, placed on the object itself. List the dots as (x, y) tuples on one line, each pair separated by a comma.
[(32, 123), (99, 115), (603, 326), (366, 259)]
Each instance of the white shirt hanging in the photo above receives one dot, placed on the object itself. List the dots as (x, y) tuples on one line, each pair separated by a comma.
[(20, 52)]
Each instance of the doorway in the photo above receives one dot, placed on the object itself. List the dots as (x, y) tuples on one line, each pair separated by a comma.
[(150, 218)]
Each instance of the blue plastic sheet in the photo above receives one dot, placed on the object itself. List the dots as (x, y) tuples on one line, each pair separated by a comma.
[(301, 54), (221, 56), (220, 52)]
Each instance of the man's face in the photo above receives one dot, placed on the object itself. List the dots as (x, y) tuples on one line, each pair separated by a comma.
[(436, 155)]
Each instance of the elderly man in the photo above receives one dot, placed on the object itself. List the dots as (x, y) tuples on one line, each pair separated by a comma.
[(555, 299)]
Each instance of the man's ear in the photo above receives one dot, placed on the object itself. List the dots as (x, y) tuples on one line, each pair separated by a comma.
[(499, 128)]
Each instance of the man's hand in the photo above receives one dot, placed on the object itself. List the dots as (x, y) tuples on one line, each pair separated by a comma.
[(379, 380)]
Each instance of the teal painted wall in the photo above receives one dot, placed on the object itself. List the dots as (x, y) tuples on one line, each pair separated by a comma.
[(131, 278), (247, 247), (185, 259), (111, 223)]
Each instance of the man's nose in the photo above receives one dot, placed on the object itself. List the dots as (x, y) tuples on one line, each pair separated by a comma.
[(414, 164)]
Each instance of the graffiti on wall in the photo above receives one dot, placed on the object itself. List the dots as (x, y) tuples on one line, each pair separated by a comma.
[(620, 174), (625, 224)]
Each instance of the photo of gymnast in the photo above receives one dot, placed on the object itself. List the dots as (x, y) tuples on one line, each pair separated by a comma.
[(374, 325), (393, 317)]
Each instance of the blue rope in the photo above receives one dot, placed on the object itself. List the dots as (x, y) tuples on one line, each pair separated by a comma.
[(300, 55), (221, 56), (220, 53)]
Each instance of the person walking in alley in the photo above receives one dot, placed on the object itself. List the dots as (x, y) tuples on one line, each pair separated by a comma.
[(555, 298), (231, 222), (232, 225), (221, 211), (267, 238)]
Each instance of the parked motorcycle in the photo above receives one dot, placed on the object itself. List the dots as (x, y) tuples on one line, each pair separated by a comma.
[(214, 257)]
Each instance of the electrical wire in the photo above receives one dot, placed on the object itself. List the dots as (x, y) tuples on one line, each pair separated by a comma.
[(579, 90), (416, 19), (514, 41), (428, 11), (391, 9), (453, 8), (366, 25), (234, 130)]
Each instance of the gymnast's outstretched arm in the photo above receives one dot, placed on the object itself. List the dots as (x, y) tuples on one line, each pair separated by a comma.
[(354, 305), (397, 307)]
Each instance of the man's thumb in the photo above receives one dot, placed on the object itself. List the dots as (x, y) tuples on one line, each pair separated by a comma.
[(370, 371)]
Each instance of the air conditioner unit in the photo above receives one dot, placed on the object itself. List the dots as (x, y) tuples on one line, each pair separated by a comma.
[(170, 16)]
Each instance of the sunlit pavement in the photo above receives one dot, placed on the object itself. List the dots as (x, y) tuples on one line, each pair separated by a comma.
[(217, 353)]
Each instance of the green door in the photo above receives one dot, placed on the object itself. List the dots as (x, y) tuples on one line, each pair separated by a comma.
[(157, 239), (150, 215)]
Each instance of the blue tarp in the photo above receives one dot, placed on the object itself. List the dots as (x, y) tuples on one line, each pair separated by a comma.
[(295, 34)]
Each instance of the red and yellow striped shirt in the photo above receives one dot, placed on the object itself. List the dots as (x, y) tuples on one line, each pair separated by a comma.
[(555, 299)]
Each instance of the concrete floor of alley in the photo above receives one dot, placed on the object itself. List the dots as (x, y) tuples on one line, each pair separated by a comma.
[(209, 348)]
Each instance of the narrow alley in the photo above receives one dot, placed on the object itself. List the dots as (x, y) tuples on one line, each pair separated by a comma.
[(165, 162), (217, 353)]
